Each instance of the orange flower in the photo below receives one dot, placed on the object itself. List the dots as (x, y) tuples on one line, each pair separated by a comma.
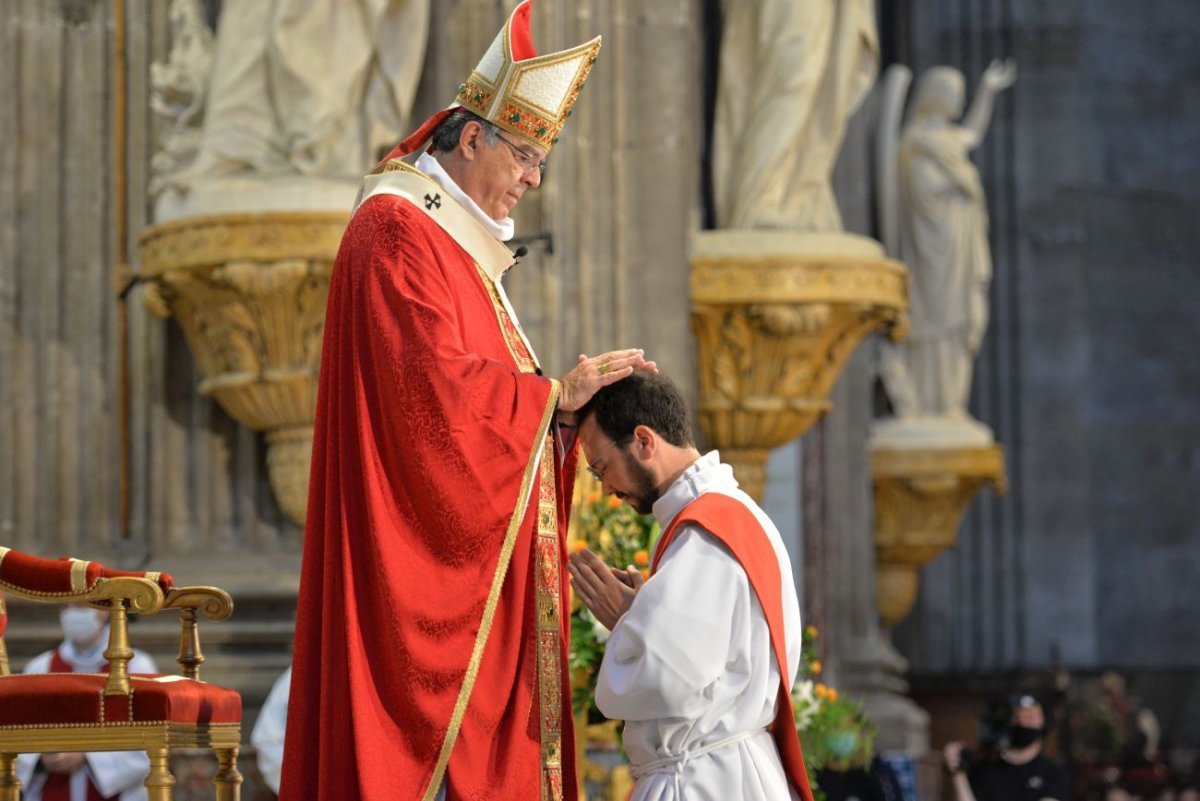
[(815, 666), (821, 690), (579, 545), (832, 694), (811, 631), (641, 558), (613, 501), (645, 572), (593, 496)]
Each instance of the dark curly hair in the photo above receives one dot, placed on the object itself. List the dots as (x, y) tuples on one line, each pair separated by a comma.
[(649, 399)]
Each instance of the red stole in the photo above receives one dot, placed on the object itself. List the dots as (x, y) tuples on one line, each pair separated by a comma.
[(58, 785), (731, 522)]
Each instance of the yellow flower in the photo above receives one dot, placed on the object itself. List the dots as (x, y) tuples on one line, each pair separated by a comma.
[(605, 538), (641, 558), (613, 501), (815, 666), (579, 545), (811, 631)]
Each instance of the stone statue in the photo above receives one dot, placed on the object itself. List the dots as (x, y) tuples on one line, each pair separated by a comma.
[(791, 73), (934, 218), (177, 89), (304, 90)]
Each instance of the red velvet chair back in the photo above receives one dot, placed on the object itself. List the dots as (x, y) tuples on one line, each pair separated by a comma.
[(62, 578)]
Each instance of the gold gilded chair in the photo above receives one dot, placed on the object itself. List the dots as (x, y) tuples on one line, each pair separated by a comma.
[(117, 711)]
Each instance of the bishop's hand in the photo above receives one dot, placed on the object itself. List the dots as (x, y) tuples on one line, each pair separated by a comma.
[(607, 592), (593, 372)]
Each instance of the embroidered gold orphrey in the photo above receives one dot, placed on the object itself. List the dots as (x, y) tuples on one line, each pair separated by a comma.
[(547, 580)]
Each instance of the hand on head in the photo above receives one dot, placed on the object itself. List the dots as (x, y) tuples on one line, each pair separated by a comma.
[(593, 372)]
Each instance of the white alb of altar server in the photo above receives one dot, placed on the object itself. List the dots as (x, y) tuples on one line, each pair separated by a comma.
[(117, 774), (689, 666)]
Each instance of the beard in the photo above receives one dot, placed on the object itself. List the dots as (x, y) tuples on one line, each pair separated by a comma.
[(645, 491)]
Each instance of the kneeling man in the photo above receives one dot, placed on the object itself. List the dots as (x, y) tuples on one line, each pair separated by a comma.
[(702, 654)]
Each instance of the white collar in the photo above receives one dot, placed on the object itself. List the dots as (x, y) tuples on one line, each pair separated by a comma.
[(705, 474), (501, 229), (406, 181)]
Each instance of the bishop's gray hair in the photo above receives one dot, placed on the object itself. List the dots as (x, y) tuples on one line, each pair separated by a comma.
[(447, 135)]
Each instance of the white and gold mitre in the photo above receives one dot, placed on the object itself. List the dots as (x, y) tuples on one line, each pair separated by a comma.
[(524, 93), (514, 88)]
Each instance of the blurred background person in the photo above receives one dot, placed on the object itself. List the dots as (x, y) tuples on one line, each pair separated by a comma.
[(100, 776), (1021, 772)]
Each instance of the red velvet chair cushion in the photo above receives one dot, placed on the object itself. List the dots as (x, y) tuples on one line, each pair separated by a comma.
[(53, 576), (58, 699)]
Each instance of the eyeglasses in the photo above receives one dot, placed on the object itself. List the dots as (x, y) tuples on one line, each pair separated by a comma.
[(598, 474), (527, 160)]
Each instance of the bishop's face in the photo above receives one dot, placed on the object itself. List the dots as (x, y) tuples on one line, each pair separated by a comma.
[(500, 172), (619, 471)]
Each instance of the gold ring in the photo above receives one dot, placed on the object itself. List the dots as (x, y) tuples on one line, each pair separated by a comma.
[(603, 368)]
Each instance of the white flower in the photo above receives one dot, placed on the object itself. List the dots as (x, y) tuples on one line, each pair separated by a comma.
[(597, 627), (805, 703)]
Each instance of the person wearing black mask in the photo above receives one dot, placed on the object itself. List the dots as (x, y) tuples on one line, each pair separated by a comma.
[(1022, 773)]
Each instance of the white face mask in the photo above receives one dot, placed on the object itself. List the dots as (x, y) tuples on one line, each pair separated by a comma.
[(80, 624)]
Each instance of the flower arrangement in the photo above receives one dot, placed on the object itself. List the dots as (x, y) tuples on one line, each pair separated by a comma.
[(834, 732), (621, 537)]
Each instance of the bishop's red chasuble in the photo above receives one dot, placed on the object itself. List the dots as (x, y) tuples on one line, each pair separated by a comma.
[(733, 524), (431, 639)]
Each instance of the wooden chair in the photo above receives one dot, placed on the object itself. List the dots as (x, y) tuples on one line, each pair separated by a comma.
[(79, 712)]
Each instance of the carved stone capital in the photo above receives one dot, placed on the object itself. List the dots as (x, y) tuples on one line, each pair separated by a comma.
[(920, 498), (776, 316), (249, 292)]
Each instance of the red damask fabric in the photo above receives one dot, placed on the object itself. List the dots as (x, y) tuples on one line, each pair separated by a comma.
[(424, 432), (731, 522)]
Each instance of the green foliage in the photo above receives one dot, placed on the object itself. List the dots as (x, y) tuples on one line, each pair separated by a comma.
[(834, 732)]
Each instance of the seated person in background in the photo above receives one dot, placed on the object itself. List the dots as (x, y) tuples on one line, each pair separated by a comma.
[(702, 654), (267, 737), (99, 776), (1022, 773)]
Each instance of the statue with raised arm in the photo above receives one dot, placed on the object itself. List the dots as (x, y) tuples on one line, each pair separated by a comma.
[(934, 218), (791, 74)]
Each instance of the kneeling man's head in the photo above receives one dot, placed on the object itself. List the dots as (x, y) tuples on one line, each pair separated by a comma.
[(636, 435)]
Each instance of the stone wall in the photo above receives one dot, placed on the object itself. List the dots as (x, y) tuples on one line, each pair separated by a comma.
[(1089, 373)]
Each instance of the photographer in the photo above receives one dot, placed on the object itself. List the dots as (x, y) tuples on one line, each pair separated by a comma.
[(1022, 772)]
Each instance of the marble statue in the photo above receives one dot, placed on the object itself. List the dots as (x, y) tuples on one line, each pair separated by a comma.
[(177, 90), (934, 218), (791, 73), (304, 91)]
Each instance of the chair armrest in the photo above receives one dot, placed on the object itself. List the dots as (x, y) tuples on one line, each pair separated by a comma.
[(213, 604), (120, 596)]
